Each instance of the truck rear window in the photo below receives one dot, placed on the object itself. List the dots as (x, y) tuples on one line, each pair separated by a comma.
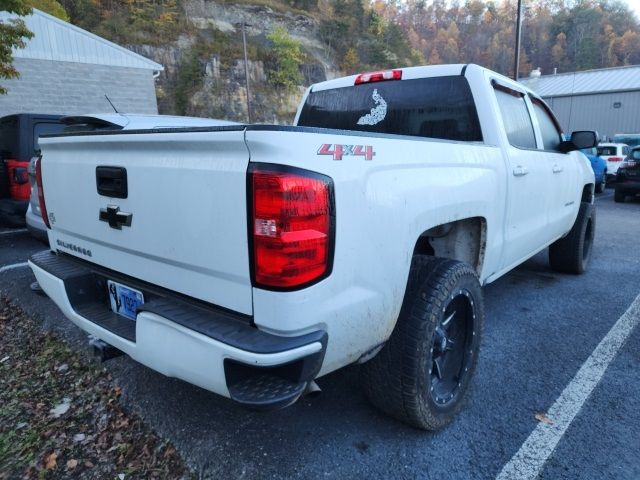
[(436, 107), (607, 151)]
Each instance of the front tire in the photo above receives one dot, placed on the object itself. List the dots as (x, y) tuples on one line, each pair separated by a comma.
[(423, 373), (571, 254)]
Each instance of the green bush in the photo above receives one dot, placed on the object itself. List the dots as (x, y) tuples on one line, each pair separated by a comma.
[(287, 56)]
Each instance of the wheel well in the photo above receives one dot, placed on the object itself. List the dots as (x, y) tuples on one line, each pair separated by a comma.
[(462, 240), (587, 193)]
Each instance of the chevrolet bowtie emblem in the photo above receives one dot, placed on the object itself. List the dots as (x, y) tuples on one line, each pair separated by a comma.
[(114, 217)]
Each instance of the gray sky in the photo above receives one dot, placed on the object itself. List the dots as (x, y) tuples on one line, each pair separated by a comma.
[(635, 6)]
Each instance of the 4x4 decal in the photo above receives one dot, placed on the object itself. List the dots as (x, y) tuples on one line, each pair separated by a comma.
[(338, 151)]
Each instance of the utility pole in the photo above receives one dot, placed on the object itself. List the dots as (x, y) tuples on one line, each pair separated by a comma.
[(246, 70), (516, 67)]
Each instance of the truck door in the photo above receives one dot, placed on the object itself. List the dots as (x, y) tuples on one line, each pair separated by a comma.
[(563, 191), (528, 175)]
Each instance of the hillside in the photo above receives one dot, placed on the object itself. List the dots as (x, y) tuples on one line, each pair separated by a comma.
[(292, 43), (199, 42)]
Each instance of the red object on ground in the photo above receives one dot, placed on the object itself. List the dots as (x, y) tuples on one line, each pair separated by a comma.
[(19, 187)]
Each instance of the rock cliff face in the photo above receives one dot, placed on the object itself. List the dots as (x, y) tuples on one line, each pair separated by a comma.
[(204, 68)]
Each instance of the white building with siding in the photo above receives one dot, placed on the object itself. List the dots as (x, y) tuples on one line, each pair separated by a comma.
[(606, 100), (67, 70)]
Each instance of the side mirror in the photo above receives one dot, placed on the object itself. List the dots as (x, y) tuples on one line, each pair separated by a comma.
[(579, 140)]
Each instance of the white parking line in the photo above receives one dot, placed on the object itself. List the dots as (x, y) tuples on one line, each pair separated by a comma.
[(13, 267), (13, 232), (534, 452)]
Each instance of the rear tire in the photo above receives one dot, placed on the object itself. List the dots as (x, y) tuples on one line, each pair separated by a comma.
[(571, 254), (423, 373), (618, 196)]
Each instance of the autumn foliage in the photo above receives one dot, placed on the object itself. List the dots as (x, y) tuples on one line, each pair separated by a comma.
[(362, 34), (562, 35)]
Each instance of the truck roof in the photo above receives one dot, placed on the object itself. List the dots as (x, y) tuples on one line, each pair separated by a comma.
[(408, 73)]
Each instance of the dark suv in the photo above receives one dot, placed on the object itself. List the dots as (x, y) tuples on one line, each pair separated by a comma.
[(628, 176), (18, 144)]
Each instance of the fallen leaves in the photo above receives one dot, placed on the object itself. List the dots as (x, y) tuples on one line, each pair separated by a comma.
[(51, 461), (541, 417), (61, 415), (61, 408)]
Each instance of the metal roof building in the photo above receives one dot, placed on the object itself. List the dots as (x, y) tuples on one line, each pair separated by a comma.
[(67, 70), (606, 100)]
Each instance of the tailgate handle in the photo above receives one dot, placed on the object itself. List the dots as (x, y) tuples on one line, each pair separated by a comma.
[(112, 181)]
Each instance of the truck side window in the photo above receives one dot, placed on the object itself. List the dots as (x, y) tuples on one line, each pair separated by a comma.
[(516, 119), (551, 136)]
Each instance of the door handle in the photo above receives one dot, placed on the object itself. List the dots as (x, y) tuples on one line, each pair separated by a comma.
[(520, 171), (112, 181), (557, 168)]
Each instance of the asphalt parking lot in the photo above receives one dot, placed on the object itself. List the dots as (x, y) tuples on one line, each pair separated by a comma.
[(541, 328)]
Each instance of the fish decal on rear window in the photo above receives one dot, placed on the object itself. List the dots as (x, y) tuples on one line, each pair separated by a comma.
[(377, 113)]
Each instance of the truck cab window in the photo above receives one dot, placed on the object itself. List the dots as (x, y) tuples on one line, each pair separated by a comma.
[(437, 107), (516, 119), (551, 136)]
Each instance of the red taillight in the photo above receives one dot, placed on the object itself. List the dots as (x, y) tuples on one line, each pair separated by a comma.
[(43, 206), (378, 76), (291, 226), (615, 159)]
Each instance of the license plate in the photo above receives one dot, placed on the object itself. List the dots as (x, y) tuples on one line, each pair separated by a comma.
[(124, 300)]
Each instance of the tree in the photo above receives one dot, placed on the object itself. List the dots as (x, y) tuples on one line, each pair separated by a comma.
[(434, 57), (189, 79), (629, 43), (287, 56), (13, 33), (350, 61), (167, 18), (559, 53), (52, 7)]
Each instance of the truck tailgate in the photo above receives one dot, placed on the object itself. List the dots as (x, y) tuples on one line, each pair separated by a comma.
[(186, 193)]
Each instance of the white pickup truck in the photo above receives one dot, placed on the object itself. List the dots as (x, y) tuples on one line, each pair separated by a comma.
[(252, 259)]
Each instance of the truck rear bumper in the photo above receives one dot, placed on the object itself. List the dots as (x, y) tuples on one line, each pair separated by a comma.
[(628, 187), (215, 349)]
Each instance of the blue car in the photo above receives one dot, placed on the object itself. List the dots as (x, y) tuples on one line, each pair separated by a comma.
[(599, 166)]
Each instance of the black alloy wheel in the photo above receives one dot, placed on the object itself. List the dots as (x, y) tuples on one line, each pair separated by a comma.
[(423, 373), (452, 352)]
